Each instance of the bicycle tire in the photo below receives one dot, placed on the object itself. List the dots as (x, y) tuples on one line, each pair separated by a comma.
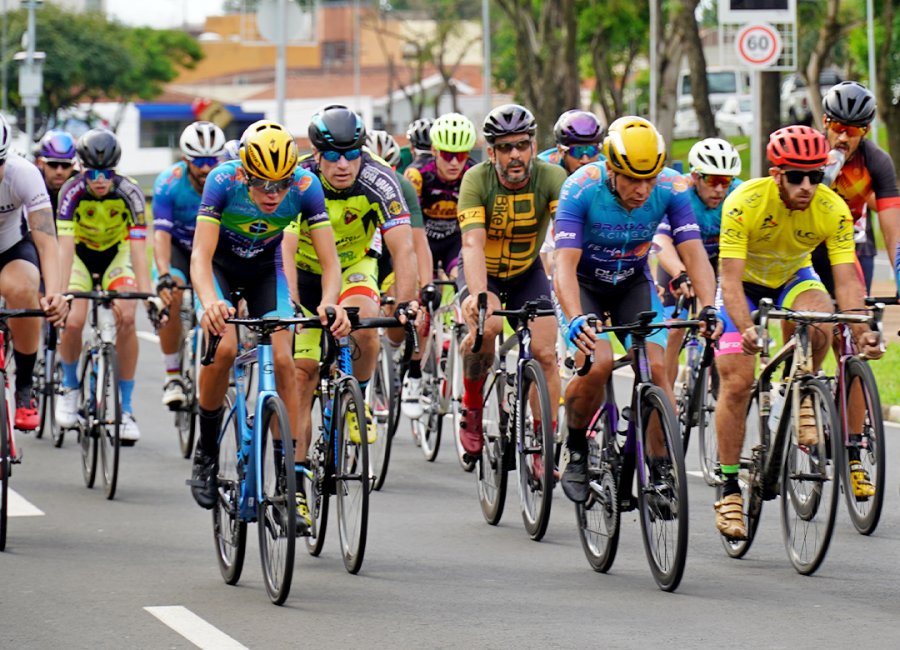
[(109, 418), (865, 514), (229, 529), (708, 443), (44, 386), (57, 433), (455, 379), (599, 517), (535, 483), (430, 425), (491, 475), (277, 507), (352, 479), (378, 396), (186, 417), (5, 472), (809, 482), (319, 482), (86, 433), (662, 492)]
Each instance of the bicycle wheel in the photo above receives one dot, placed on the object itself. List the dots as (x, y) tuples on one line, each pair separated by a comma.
[(44, 387), (186, 416), (859, 382), (662, 490), (277, 508), (86, 431), (429, 426), (229, 529), (455, 381), (109, 418), (319, 482), (535, 451), (378, 396), (491, 476), (809, 482), (5, 470), (352, 479), (705, 408), (598, 518)]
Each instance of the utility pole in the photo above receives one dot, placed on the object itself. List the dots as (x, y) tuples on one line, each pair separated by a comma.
[(30, 76)]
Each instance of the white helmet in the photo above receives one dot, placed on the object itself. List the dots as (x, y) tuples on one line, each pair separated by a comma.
[(715, 156), (5, 137), (382, 144), (202, 140)]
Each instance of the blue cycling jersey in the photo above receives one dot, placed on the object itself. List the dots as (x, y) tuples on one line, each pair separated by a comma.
[(175, 204), (247, 231), (709, 220), (614, 241)]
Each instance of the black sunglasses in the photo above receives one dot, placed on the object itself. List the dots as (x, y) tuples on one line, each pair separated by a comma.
[(507, 147), (56, 164), (270, 187), (796, 176)]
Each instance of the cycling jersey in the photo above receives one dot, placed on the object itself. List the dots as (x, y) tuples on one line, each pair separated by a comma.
[(101, 223), (553, 157), (175, 204), (437, 197), (776, 242), (518, 219), (374, 201), (614, 241), (22, 190), (247, 231), (708, 219)]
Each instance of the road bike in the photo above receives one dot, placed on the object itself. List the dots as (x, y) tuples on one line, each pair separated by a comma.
[(47, 381), (187, 414)]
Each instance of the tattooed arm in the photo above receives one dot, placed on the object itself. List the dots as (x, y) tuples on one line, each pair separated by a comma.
[(43, 231)]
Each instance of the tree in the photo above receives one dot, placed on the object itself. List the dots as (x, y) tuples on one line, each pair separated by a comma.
[(683, 16)]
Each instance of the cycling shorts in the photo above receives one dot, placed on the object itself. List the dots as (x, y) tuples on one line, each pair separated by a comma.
[(261, 283), (514, 292), (113, 265), (804, 280), (446, 252), (24, 249)]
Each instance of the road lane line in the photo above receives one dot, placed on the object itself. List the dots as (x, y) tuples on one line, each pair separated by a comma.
[(194, 629), (694, 472), (19, 506), (147, 336)]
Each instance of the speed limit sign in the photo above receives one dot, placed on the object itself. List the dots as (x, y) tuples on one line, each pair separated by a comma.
[(758, 45)]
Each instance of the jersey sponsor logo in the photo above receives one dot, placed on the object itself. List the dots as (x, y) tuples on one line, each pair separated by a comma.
[(395, 208), (441, 210), (115, 272), (679, 184), (561, 235), (177, 172), (734, 233), (350, 217), (305, 182), (7, 207), (258, 228), (592, 172), (769, 222), (355, 277), (605, 275), (806, 234)]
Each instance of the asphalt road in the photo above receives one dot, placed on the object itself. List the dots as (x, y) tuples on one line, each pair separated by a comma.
[(140, 571)]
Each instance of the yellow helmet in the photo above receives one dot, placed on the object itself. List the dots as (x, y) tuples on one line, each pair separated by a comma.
[(268, 151), (633, 147)]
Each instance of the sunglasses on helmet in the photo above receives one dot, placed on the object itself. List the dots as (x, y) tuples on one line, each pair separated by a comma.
[(270, 187), (851, 131), (99, 174), (796, 176), (450, 156), (333, 156), (579, 151), (716, 180), (519, 145)]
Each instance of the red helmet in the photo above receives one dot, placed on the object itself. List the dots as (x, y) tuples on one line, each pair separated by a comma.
[(797, 146)]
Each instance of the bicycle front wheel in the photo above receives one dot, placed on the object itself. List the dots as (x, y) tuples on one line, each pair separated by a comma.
[(186, 416), (229, 530), (352, 480), (378, 396), (662, 490), (429, 426), (277, 508), (86, 431), (705, 408), (867, 442), (491, 473), (455, 386), (809, 482), (535, 451), (598, 518), (46, 382), (109, 417), (319, 482)]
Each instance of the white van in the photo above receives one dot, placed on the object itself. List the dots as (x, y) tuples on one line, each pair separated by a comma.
[(722, 83)]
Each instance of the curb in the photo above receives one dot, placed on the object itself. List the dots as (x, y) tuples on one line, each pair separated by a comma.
[(891, 414)]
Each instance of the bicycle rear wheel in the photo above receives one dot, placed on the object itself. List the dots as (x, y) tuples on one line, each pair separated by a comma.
[(705, 407), (491, 476), (662, 490), (378, 396), (809, 482), (319, 482), (454, 376), (86, 431), (186, 416), (5, 470), (535, 451), (429, 426), (352, 480), (860, 383), (277, 509), (45, 386), (229, 530), (598, 518), (109, 418)]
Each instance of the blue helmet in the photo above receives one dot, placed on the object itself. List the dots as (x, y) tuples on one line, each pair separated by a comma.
[(57, 145)]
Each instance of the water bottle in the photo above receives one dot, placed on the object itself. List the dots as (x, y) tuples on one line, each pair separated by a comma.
[(327, 416), (836, 160), (777, 406), (106, 322), (692, 353)]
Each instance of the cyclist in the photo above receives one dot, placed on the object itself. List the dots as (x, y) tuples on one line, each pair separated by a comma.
[(505, 206), (22, 191), (176, 200), (715, 165), (55, 157), (770, 226), (232, 150), (362, 198), (245, 206), (102, 230), (849, 108), (605, 223), (419, 134)]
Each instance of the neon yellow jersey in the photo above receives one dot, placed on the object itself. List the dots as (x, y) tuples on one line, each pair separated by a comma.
[(777, 242), (101, 223)]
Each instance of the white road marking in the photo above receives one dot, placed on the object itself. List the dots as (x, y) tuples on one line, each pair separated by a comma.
[(19, 506), (194, 629), (147, 336), (694, 472)]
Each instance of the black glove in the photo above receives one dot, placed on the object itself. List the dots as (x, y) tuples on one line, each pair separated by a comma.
[(165, 281), (709, 315), (403, 308), (676, 282)]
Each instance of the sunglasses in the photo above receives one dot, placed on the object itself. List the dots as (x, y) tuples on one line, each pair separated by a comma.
[(716, 180), (204, 161), (270, 187), (579, 151), (506, 147), (58, 164), (795, 176), (99, 174), (450, 156), (349, 155), (851, 131)]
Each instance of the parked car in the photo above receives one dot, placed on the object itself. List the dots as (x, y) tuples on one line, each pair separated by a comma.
[(735, 118), (795, 98), (686, 125)]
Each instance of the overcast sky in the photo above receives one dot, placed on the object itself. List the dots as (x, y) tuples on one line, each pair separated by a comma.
[(163, 13)]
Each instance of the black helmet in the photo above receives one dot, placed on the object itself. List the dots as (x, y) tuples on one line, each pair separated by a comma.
[(849, 103), (507, 119), (337, 128), (99, 149), (419, 133)]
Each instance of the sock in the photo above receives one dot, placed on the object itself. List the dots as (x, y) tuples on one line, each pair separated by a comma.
[(126, 388), (70, 374), (729, 476), (415, 368), (472, 393), (362, 386), (853, 449), (173, 368), (577, 439), (24, 370), (209, 429)]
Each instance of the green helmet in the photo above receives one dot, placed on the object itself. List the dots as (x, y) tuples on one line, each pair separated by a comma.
[(453, 132)]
